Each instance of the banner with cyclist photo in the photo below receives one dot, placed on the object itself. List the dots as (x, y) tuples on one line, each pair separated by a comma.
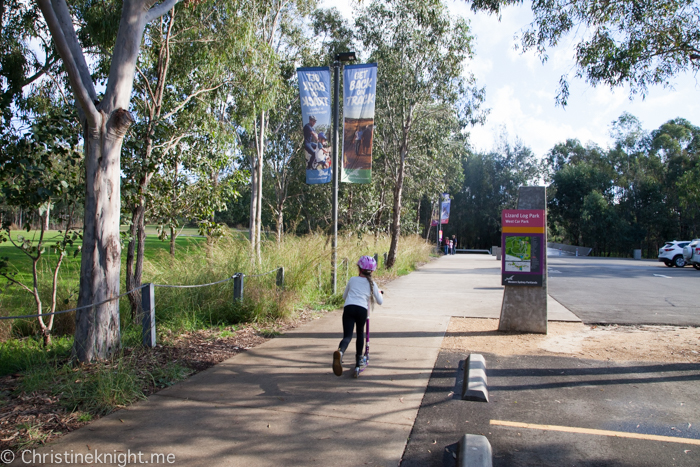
[(359, 95), (445, 208), (315, 96)]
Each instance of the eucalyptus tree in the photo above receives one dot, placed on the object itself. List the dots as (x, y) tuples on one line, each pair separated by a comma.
[(677, 143), (284, 145), (105, 120), (575, 171), (639, 184), (420, 52), (195, 181), (292, 46), (192, 55), (435, 166), (689, 197), (634, 42), (632, 195), (285, 169), (274, 20)]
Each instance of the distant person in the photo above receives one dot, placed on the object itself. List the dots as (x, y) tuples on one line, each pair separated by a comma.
[(454, 244), (360, 295)]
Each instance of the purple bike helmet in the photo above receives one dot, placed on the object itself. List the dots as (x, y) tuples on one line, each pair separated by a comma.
[(367, 263)]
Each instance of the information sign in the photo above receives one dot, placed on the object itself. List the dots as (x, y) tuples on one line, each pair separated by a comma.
[(522, 240)]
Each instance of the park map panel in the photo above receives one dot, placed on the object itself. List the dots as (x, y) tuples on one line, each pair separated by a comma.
[(523, 246), (518, 251)]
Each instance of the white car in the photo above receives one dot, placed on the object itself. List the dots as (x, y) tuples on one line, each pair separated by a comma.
[(671, 254), (691, 253)]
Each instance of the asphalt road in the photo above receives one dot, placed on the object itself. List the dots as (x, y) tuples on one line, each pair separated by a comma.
[(562, 411), (625, 291)]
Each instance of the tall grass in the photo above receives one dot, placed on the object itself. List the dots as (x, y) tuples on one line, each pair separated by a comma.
[(307, 266)]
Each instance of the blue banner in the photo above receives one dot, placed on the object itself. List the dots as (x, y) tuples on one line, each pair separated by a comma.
[(359, 96), (315, 96), (445, 208)]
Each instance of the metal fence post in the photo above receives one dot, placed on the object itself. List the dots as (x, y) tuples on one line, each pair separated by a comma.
[(148, 303), (385, 255), (280, 278), (238, 288)]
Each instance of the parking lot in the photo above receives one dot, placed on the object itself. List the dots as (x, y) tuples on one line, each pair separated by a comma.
[(558, 410), (622, 291)]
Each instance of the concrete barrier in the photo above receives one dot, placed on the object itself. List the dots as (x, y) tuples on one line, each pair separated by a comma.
[(474, 386), (474, 451), (570, 250), (496, 251)]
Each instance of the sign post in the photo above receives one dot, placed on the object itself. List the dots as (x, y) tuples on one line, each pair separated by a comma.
[(524, 263)]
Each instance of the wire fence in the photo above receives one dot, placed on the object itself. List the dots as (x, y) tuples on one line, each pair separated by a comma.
[(238, 275), (148, 297)]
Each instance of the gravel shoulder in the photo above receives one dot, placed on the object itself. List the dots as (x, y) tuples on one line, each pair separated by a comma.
[(638, 343)]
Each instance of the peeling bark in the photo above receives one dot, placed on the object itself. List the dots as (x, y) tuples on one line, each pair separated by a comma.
[(97, 333)]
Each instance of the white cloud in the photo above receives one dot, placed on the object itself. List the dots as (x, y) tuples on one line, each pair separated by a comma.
[(479, 66), (520, 90)]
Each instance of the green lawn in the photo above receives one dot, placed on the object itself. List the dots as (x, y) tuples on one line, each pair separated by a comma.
[(15, 301)]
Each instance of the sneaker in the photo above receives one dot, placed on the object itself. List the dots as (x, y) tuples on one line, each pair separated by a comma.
[(338, 363), (356, 374)]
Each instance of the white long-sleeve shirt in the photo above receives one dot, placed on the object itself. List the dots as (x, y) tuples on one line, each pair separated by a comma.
[(357, 293)]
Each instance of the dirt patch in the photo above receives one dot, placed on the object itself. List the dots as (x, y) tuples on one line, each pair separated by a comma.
[(638, 343)]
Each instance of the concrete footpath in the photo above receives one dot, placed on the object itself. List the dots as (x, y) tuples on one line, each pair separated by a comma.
[(280, 404)]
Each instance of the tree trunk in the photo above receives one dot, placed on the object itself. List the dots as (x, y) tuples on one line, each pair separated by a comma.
[(172, 242), (135, 297), (48, 215), (280, 224), (140, 250), (398, 191), (97, 333), (258, 207), (418, 226), (253, 201), (396, 214)]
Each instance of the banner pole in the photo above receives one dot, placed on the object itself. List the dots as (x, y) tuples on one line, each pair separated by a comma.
[(438, 228), (334, 254)]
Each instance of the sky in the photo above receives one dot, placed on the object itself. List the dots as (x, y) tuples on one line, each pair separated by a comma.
[(520, 90)]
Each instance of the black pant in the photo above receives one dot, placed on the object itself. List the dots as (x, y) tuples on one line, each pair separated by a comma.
[(354, 315)]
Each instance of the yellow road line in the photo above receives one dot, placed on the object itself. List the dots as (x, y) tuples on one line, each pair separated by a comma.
[(590, 431)]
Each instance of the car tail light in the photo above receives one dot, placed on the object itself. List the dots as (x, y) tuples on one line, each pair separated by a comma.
[(668, 249)]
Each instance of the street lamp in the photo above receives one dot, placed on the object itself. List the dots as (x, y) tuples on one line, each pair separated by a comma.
[(339, 57)]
